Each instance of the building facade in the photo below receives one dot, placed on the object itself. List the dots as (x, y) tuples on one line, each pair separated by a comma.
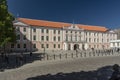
[(47, 35), (115, 44)]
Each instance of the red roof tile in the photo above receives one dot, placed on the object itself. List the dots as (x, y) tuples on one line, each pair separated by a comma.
[(39, 23)]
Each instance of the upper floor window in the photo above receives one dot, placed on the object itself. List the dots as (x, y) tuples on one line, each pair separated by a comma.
[(54, 38), (24, 29), (58, 31), (47, 38), (59, 38), (34, 30), (18, 37), (42, 37), (34, 37), (24, 37), (42, 45), (54, 45), (47, 45), (47, 31), (42, 30), (54, 31)]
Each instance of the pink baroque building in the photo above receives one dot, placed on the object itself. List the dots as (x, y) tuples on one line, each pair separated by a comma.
[(40, 34)]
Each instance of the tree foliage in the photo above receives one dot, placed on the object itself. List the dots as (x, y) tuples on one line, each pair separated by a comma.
[(7, 31)]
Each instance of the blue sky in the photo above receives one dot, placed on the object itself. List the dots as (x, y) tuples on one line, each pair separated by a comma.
[(90, 12)]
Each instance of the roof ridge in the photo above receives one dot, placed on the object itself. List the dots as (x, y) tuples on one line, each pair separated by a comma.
[(45, 20), (36, 22)]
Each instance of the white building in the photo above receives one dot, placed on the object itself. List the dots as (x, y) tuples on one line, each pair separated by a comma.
[(115, 44), (39, 35)]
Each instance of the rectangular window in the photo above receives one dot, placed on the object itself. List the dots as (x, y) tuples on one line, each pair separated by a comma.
[(54, 31), (47, 31), (18, 45), (18, 37), (34, 37), (24, 45), (24, 29), (47, 38), (42, 45), (54, 38), (94, 40), (42, 30), (54, 45), (66, 37), (58, 45), (24, 37), (89, 39), (58, 31), (34, 45), (42, 37), (59, 38), (12, 45), (34, 30), (47, 45)]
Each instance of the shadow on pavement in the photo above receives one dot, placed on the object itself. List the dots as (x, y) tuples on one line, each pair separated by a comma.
[(15, 62), (103, 73)]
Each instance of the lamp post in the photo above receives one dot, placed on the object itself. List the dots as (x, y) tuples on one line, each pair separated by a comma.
[(44, 50), (30, 41)]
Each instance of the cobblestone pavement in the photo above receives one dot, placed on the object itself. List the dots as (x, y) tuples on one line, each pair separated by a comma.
[(39, 68)]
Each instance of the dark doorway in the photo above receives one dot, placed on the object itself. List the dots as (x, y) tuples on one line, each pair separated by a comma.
[(76, 46), (83, 47), (69, 46)]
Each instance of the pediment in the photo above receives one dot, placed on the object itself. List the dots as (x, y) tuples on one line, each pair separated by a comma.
[(73, 26), (16, 22)]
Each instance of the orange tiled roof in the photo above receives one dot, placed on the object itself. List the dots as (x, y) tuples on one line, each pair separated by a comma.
[(93, 28), (39, 23)]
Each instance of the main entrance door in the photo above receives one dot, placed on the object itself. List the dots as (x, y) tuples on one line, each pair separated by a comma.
[(76, 46)]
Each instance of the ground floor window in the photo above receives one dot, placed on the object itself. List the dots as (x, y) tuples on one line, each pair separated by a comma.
[(24, 45), (58, 45), (12, 45), (42, 45), (34, 45), (18, 45)]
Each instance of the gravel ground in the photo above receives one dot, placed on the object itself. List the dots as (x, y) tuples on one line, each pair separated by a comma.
[(39, 68)]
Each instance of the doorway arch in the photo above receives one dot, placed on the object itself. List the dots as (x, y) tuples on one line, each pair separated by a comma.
[(76, 46)]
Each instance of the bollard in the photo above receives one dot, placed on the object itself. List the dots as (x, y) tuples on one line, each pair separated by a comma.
[(66, 55), (72, 55), (102, 54), (60, 56), (54, 56), (98, 54), (47, 57), (93, 54), (85, 54), (89, 54), (80, 54)]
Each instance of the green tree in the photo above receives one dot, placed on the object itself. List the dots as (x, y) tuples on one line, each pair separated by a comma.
[(7, 31)]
